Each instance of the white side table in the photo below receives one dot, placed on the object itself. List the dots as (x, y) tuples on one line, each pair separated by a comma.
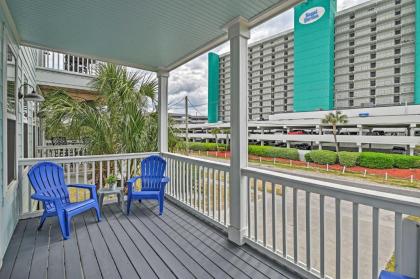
[(103, 192)]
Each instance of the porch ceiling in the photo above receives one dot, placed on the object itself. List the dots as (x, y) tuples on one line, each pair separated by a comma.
[(142, 33)]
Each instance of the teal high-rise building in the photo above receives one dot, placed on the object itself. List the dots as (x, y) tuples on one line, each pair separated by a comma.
[(364, 56), (314, 55)]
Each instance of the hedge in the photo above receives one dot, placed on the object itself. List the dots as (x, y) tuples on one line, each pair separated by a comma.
[(209, 146), (274, 152), (348, 159), (405, 161), (324, 157), (308, 157), (376, 160)]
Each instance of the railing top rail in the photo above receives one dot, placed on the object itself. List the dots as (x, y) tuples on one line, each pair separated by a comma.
[(378, 199), (203, 162), (89, 158), (78, 145)]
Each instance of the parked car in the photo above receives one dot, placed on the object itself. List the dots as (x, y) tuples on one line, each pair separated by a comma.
[(303, 146), (296, 132), (398, 150)]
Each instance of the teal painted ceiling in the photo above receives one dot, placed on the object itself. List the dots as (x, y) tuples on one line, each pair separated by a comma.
[(152, 33)]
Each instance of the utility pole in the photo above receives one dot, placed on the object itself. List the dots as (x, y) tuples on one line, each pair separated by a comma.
[(186, 123)]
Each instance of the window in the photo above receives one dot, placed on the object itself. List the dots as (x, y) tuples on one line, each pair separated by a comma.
[(351, 35), (398, 22), (373, 65), (372, 92), (373, 56), (396, 99), (351, 77), (397, 89), (351, 52), (398, 32), (372, 101), (373, 29), (351, 43), (372, 83), (11, 117), (373, 47), (351, 69), (351, 85), (397, 60), (351, 94), (373, 20), (397, 51), (397, 41), (351, 60), (373, 38), (398, 12), (397, 80), (372, 74), (351, 103), (397, 70)]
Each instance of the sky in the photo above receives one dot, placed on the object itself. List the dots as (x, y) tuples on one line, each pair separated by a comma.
[(191, 78)]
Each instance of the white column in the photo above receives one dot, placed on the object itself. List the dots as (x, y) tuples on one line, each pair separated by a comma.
[(238, 33), (163, 110)]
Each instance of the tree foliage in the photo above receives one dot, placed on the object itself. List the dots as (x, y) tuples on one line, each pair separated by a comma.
[(123, 119)]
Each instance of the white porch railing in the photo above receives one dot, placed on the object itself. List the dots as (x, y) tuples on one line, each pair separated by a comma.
[(327, 229), (60, 150), (200, 185), (319, 229), (66, 62)]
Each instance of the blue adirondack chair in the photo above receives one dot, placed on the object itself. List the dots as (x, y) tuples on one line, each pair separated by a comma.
[(153, 182), (47, 179)]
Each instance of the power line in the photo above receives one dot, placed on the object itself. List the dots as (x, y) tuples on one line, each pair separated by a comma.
[(194, 107)]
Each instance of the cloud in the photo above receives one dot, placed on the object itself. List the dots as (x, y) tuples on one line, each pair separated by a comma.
[(191, 78)]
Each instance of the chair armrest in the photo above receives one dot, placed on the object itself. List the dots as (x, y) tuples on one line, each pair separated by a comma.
[(90, 187), (83, 186), (165, 179), (57, 201), (130, 183), (43, 198)]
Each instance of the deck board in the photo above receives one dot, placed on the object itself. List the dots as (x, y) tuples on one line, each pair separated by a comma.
[(141, 245)]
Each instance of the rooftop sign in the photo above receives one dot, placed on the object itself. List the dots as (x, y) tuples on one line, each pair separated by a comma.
[(311, 15)]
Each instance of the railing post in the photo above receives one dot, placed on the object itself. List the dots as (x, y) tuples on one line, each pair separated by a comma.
[(163, 110), (238, 33)]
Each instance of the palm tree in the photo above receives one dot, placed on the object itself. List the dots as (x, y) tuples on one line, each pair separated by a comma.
[(335, 118), (123, 119), (215, 132), (226, 131)]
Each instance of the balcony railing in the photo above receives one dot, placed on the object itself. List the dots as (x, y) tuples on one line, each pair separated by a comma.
[(70, 150), (66, 62), (316, 228)]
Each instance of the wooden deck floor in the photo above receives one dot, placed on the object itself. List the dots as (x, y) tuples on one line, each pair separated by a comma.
[(142, 245)]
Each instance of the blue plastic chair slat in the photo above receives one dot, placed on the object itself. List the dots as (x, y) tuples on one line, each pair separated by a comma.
[(47, 179), (152, 182)]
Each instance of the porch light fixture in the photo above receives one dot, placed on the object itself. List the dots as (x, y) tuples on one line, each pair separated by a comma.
[(33, 96)]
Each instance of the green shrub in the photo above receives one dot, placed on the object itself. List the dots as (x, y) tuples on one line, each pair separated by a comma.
[(203, 146), (274, 152), (348, 159), (324, 157), (405, 161), (308, 157), (376, 160)]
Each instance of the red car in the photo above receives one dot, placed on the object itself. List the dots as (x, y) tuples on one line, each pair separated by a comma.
[(297, 132)]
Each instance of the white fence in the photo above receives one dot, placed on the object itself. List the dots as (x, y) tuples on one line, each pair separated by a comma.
[(60, 150), (286, 211), (319, 229), (66, 62), (201, 185)]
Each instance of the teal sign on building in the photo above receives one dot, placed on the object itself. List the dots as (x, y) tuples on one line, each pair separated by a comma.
[(213, 88), (314, 55)]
